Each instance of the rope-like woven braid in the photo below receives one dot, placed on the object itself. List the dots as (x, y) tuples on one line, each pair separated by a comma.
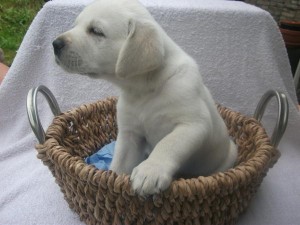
[(102, 197)]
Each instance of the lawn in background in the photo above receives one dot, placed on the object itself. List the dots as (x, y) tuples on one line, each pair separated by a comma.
[(15, 18)]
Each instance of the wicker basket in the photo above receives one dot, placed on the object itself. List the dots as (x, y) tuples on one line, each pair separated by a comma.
[(102, 197)]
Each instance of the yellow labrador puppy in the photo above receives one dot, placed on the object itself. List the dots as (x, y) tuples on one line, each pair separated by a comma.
[(168, 123)]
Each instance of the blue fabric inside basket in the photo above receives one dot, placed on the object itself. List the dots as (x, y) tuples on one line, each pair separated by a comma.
[(102, 158)]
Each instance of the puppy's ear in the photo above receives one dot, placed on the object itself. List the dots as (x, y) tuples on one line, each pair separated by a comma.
[(142, 51)]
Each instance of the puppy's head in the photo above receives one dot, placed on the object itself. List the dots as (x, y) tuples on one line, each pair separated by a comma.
[(115, 38)]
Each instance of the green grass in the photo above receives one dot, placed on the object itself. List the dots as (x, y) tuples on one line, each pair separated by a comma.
[(15, 18)]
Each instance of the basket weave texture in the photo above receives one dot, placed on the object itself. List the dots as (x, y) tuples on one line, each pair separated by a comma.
[(102, 197)]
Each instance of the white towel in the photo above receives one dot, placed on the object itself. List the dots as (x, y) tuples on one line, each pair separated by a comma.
[(240, 54)]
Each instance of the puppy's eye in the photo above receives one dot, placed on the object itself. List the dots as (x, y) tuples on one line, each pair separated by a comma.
[(96, 31)]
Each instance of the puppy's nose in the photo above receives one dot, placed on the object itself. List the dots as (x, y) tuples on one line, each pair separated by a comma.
[(58, 45)]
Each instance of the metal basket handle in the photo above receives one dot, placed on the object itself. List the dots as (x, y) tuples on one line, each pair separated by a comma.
[(283, 113), (32, 110), (280, 127)]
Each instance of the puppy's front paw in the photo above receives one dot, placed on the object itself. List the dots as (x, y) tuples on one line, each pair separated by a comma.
[(150, 178)]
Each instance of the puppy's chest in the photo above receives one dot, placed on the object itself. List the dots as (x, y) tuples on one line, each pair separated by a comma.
[(152, 121), (156, 126)]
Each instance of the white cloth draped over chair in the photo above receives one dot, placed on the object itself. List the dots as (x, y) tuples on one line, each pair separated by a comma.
[(241, 55)]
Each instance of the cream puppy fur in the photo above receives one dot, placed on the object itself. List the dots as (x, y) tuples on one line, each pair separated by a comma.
[(168, 124)]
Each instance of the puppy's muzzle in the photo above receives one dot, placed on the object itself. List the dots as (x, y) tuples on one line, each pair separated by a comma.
[(58, 46)]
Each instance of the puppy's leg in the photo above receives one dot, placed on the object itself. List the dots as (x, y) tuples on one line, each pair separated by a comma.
[(129, 152), (169, 155)]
